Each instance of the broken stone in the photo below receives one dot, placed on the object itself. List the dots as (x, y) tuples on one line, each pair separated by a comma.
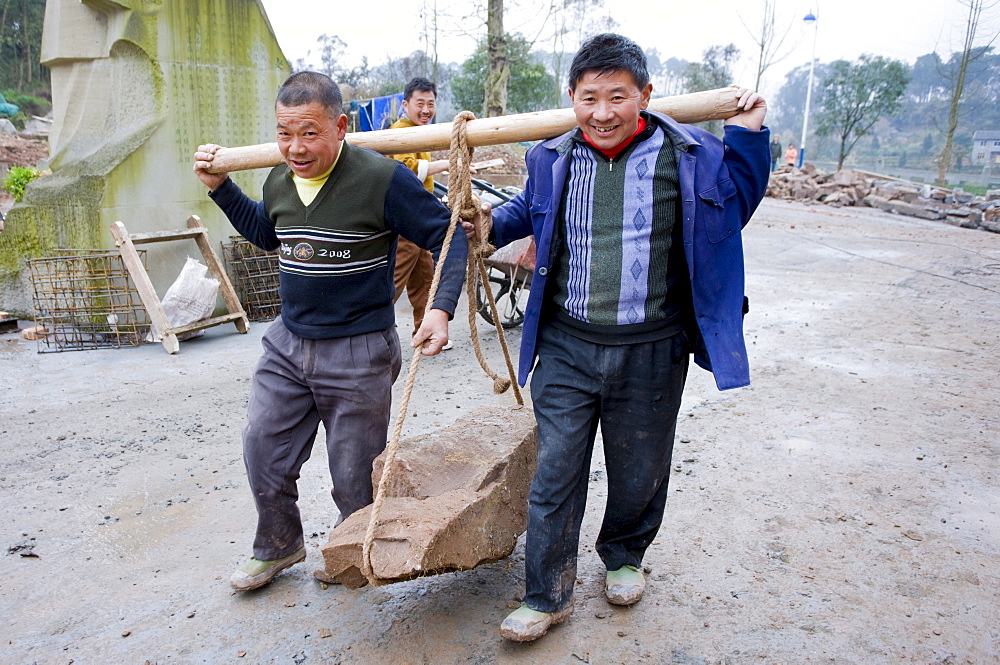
[(457, 498), (876, 201), (992, 226), (847, 177), (915, 210), (908, 194), (963, 222)]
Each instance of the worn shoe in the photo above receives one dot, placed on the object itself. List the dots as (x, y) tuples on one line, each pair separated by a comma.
[(525, 624), (255, 574), (625, 585), (449, 346)]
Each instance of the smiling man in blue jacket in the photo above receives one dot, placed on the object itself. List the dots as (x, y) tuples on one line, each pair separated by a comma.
[(637, 221)]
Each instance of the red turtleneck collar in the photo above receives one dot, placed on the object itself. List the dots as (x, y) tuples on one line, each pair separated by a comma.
[(611, 153)]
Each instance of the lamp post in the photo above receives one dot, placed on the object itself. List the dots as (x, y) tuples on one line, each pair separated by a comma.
[(809, 19)]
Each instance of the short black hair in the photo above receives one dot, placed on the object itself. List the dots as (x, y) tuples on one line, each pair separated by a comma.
[(306, 87), (421, 84), (606, 53)]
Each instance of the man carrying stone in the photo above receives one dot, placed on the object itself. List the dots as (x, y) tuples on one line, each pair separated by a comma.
[(334, 212), (414, 267), (637, 221)]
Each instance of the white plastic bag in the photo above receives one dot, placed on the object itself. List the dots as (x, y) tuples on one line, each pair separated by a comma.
[(190, 298)]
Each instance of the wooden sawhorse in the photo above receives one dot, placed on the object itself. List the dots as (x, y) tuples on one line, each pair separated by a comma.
[(196, 231)]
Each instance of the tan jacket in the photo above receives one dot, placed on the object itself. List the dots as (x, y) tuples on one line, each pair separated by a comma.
[(415, 161)]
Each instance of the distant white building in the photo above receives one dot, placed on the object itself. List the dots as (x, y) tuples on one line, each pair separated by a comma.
[(985, 148)]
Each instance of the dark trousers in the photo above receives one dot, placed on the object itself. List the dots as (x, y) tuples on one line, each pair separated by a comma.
[(347, 384), (633, 392)]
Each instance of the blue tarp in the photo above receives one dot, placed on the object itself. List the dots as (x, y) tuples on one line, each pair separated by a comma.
[(378, 113)]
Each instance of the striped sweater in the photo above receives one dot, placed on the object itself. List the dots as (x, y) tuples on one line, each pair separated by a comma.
[(337, 254), (620, 275)]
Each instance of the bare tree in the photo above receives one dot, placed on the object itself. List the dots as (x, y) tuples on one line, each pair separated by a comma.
[(569, 25), (429, 12), (498, 70), (769, 39), (969, 54)]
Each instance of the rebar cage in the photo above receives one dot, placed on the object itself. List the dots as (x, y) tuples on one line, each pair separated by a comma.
[(254, 273), (84, 299)]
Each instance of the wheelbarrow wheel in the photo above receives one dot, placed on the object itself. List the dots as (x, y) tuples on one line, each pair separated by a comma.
[(508, 295)]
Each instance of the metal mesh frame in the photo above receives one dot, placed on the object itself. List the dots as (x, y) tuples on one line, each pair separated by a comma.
[(85, 299), (254, 273)]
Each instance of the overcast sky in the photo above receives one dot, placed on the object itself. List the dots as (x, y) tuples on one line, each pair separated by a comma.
[(383, 29)]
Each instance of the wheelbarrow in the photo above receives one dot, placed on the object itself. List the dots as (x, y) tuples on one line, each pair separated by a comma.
[(510, 267), (510, 270)]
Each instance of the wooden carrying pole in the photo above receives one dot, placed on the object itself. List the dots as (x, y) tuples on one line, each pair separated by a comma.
[(694, 107)]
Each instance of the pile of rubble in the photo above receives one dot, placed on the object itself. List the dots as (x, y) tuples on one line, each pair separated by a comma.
[(512, 163), (21, 151), (852, 187)]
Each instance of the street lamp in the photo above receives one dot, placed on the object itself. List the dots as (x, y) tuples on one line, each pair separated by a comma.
[(809, 19)]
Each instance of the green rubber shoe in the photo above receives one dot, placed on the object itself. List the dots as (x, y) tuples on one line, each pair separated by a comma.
[(624, 586), (255, 574), (525, 624)]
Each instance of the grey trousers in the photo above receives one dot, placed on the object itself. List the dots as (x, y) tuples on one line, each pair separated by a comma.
[(633, 393), (347, 384)]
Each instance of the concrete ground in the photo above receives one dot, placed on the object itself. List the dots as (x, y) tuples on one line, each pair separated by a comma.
[(843, 509)]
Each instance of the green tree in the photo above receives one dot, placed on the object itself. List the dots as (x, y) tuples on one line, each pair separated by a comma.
[(926, 82), (857, 95), (21, 45), (714, 71), (332, 58), (530, 88), (667, 75), (789, 104)]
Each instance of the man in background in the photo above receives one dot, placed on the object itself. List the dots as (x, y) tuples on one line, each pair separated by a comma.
[(414, 266), (775, 153)]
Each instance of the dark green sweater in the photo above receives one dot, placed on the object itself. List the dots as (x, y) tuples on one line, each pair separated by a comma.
[(620, 273), (337, 254)]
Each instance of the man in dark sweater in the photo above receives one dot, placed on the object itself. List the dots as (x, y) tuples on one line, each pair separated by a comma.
[(334, 212), (637, 223)]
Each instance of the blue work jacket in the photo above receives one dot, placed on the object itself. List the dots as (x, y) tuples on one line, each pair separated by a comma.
[(721, 185)]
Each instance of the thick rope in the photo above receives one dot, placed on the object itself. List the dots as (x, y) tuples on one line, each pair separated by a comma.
[(477, 272), (464, 206)]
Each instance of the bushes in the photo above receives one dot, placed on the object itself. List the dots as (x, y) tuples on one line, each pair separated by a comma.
[(29, 104), (17, 179)]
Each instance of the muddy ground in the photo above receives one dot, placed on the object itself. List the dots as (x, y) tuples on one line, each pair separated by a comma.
[(843, 509)]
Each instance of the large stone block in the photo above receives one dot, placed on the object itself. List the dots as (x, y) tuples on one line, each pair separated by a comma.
[(458, 498), (914, 210), (847, 177), (876, 201)]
